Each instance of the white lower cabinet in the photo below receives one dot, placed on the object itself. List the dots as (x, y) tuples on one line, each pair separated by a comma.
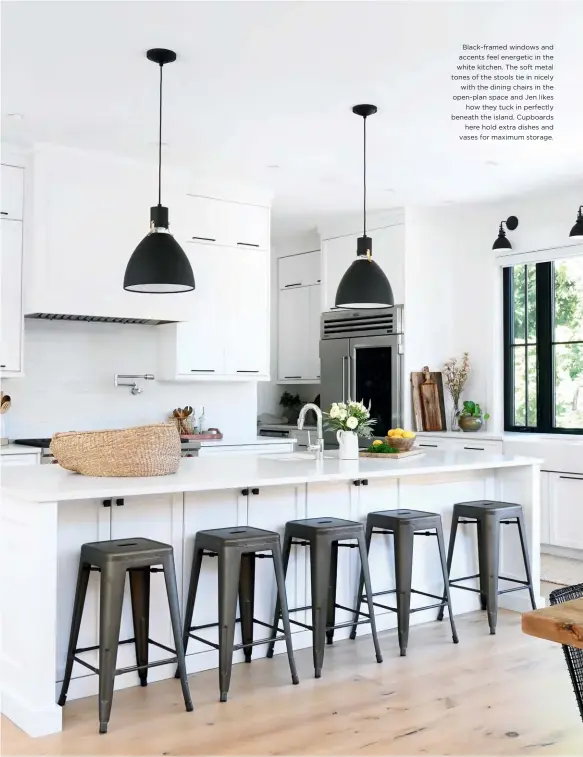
[(565, 506), (204, 511), (9, 460)]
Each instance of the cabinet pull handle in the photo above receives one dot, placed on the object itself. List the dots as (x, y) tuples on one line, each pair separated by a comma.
[(480, 449), (365, 481), (255, 491), (247, 244), (247, 371), (119, 502), (106, 503), (356, 483), (205, 239), (202, 370), (3, 213), (572, 478), (292, 377), (297, 284), (2, 366), (245, 492), (428, 445)]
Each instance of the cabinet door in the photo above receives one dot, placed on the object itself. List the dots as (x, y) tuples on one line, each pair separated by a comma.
[(271, 509), (312, 348), (199, 219), (157, 517), (388, 251), (200, 341), (11, 304), (247, 307), (299, 270), (247, 225), (12, 192), (203, 511), (545, 507), (566, 510), (204, 219), (79, 522), (293, 330)]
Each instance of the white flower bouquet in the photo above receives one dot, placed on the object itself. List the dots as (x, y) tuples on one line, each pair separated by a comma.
[(350, 416)]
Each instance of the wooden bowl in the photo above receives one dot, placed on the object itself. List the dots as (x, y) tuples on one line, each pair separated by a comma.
[(397, 442)]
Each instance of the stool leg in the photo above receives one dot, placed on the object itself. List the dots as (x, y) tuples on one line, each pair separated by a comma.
[(80, 593), (140, 594), (362, 548), (172, 592), (490, 547), (110, 609), (247, 600), (452, 534), (331, 613), (482, 569), (524, 544), (287, 545), (403, 575), (359, 593), (446, 589), (320, 561), (229, 567), (278, 567)]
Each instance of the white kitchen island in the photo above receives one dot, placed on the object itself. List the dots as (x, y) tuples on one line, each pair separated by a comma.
[(47, 513)]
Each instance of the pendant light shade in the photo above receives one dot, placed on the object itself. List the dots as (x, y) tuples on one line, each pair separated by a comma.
[(503, 243), (159, 265), (577, 230), (364, 285)]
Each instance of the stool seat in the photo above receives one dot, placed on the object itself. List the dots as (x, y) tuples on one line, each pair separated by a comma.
[(307, 528), (391, 519), (241, 537), (481, 507), (139, 552)]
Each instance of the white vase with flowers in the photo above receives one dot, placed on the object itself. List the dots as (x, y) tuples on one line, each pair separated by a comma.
[(350, 420)]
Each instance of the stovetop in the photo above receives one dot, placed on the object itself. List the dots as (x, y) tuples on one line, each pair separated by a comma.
[(33, 442)]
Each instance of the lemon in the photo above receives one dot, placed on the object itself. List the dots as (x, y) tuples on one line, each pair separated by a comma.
[(408, 435), (392, 432), (376, 443), (399, 430)]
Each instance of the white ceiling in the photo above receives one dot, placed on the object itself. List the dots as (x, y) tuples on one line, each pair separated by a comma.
[(258, 84)]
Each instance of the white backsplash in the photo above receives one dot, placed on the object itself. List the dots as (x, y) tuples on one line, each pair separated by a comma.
[(68, 384)]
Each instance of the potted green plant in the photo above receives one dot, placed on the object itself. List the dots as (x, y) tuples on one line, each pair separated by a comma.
[(471, 417), (291, 404)]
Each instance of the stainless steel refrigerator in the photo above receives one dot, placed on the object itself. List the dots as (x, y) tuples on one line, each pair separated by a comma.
[(361, 358)]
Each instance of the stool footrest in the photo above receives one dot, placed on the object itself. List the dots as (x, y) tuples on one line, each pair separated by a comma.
[(337, 625), (236, 647), (131, 668)]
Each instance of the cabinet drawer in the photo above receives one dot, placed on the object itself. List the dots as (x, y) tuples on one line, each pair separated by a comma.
[(565, 491), (299, 270), (12, 192)]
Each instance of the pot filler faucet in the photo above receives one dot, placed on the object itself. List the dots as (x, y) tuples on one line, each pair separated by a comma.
[(319, 447)]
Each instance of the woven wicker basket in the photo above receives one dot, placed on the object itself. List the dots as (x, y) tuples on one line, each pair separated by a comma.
[(397, 442), (141, 451)]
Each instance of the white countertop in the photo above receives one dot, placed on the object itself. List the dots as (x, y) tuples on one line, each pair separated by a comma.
[(19, 449), (47, 483)]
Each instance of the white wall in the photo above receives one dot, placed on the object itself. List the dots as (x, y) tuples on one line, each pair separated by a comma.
[(269, 392), (68, 384)]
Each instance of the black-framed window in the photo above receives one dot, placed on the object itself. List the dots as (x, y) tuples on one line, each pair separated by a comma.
[(543, 347)]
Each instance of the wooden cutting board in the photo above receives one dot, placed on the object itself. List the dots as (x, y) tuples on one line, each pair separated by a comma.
[(428, 404), (561, 623), (394, 455)]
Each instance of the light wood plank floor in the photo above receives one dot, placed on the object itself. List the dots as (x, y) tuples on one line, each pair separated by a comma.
[(507, 694)]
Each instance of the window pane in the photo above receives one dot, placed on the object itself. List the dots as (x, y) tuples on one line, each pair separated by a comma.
[(518, 304), (568, 305), (531, 419), (519, 372), (531, 300), (568, 361)]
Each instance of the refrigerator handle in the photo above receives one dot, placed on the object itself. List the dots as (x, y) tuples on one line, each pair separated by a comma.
[(349, 382), (344, 359)]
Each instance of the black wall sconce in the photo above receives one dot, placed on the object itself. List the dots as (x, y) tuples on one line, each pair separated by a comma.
[(577, 230), (502, 243)]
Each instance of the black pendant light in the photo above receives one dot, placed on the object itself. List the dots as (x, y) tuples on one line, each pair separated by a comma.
[(159, 265), (577, 230), (364, 285), (503, 243)]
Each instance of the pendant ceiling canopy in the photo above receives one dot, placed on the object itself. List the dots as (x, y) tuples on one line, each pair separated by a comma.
[(364, 285), (159, 265)]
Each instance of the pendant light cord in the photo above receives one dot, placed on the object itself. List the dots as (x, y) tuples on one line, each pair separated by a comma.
[(160, 143), (364, 161)]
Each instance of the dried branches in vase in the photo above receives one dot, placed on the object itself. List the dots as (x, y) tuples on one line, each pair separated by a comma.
[(455, 375)]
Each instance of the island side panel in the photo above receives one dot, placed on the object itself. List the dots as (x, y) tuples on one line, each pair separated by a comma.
[(522, 486), (29, 615)]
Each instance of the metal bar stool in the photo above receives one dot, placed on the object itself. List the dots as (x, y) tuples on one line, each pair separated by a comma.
[(113, 559), (573, 655), (236, 549), (404, 525), (323, 537), (488, 516)]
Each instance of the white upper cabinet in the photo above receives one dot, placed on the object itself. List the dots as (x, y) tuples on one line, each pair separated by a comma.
[(11, 204), (11, 326), (230, 224), (388, 250), (299, 270), (299, 335)]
